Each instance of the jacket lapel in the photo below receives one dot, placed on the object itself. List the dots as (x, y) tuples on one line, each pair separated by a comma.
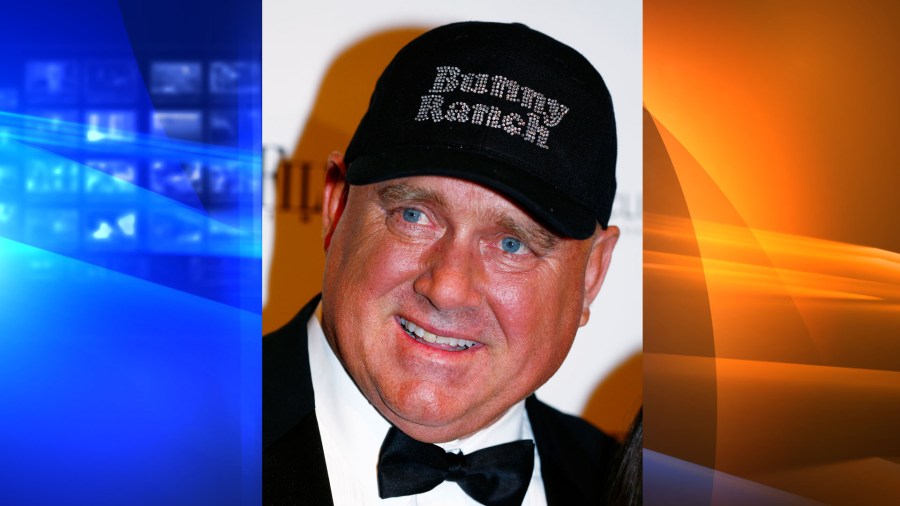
[(294, 470), (575, 456)]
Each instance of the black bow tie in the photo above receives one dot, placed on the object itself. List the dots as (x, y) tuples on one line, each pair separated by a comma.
[(495, 476)]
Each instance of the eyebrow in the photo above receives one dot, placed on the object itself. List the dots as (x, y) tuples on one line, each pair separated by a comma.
[(401, 192), (531, 235)]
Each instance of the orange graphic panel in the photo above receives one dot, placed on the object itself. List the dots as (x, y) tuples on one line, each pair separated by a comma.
[(772, 272)]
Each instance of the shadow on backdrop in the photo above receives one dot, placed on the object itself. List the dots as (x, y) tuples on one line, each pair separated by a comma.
[(617, 398), (298, 257)]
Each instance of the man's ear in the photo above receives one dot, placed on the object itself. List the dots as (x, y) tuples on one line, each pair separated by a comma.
[(602, 246), (335, 196)]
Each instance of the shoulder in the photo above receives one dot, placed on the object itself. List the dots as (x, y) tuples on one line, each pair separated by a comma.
[(293, 461), (575, 455), (571, 432), (286, 383)]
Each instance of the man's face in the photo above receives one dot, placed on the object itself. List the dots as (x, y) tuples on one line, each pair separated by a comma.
[(495, 298)]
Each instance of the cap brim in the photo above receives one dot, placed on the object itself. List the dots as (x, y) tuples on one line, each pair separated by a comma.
[(537, 197)]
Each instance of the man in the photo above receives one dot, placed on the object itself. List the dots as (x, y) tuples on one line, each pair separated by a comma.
[(466, 237)]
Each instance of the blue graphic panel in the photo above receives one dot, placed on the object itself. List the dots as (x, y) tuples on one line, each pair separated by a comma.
[(130, 247)]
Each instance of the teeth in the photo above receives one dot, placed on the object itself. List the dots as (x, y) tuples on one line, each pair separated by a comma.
[(423, 334)]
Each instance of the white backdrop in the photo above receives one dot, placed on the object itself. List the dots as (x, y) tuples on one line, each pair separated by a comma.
[(307, 36)]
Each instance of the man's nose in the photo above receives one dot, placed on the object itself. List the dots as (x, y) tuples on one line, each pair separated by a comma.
[(451, 278)]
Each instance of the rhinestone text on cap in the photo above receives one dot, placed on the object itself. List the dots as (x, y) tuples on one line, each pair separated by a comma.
[(543, 113)]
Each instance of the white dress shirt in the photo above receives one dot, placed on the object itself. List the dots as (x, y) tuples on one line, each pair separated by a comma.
[(352, 432)]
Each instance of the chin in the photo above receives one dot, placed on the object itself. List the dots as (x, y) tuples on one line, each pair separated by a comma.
[(432, 434), (432, 422), (424, 420)]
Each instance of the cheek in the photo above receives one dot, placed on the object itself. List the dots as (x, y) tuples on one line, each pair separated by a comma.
[(507, 295), (357, 256), (544, 296), (372, 255), (512, 305), (539, 317)]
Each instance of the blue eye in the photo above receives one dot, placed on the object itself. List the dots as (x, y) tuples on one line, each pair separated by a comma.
[(510, 245), (412, 215)]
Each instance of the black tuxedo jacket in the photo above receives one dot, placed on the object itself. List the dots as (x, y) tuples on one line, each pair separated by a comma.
[(575, 456)]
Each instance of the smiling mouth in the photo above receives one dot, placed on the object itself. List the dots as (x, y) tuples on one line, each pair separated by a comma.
[(423, 336)]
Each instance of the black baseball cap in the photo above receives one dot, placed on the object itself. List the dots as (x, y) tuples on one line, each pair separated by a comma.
[(501, 105)]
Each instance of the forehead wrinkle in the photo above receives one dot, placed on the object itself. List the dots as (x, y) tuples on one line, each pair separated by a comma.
[(396, 193)]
